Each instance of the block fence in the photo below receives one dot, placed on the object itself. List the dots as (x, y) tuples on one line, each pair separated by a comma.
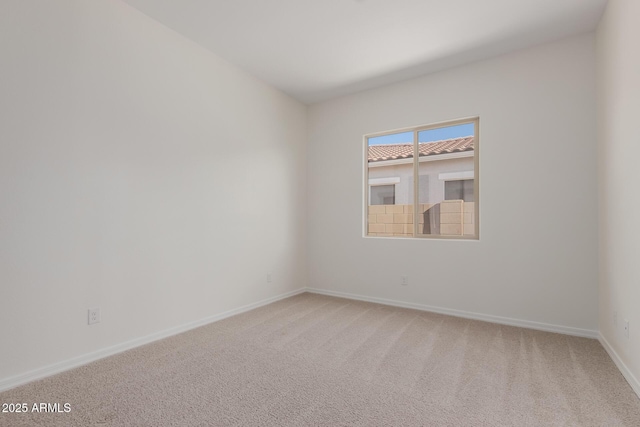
[(456, 219)]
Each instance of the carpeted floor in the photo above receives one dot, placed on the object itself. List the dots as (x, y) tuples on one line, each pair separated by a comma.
[(313, 360)]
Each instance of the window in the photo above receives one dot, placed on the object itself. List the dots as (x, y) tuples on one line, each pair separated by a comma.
[(459, 190), (383, 195), (423, 181)]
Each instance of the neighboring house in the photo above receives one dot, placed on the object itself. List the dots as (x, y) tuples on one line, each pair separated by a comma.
[(446, 172)]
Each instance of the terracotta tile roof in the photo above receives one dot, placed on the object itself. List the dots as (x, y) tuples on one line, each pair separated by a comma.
[(378, 153)]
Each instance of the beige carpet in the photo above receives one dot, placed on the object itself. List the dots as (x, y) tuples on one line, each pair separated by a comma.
[(313, 360)]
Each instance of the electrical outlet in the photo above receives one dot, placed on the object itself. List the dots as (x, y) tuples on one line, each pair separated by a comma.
[(405, 280), (626, 328), (94, 315), (269, 278), (615, 318)]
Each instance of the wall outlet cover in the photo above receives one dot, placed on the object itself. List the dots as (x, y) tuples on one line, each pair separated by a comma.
[(94, 315)]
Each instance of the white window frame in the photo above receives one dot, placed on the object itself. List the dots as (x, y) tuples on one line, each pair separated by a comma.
[(416, 160)]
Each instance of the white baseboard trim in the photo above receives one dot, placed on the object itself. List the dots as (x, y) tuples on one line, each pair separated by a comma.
[(626, 373), (56, 368), (567, 330)]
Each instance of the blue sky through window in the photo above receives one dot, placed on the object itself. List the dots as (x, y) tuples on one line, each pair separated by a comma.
[(431, 135)]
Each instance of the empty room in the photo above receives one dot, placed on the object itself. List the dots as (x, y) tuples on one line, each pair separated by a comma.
[(319, 213)]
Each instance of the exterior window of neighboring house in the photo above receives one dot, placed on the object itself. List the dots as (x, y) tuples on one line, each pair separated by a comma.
[(383, 195), (461, 189), (423, 181)]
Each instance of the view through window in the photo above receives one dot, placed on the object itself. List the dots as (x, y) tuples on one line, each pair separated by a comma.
[(383, 195), (423, 182)]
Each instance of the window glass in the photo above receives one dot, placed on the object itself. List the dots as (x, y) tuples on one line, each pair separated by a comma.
[(390, 185), (440, 199), (444, 152)]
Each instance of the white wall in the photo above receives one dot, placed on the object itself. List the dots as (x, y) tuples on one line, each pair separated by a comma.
[(537, 255), (140, 174), (619, 151)]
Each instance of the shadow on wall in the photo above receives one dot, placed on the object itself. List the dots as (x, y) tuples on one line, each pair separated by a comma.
[(431, 219)]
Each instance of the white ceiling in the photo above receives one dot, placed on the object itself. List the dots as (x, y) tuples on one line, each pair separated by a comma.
[(319, 49)]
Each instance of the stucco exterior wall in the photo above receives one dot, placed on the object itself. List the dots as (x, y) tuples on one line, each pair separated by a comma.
[(430, 186)]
